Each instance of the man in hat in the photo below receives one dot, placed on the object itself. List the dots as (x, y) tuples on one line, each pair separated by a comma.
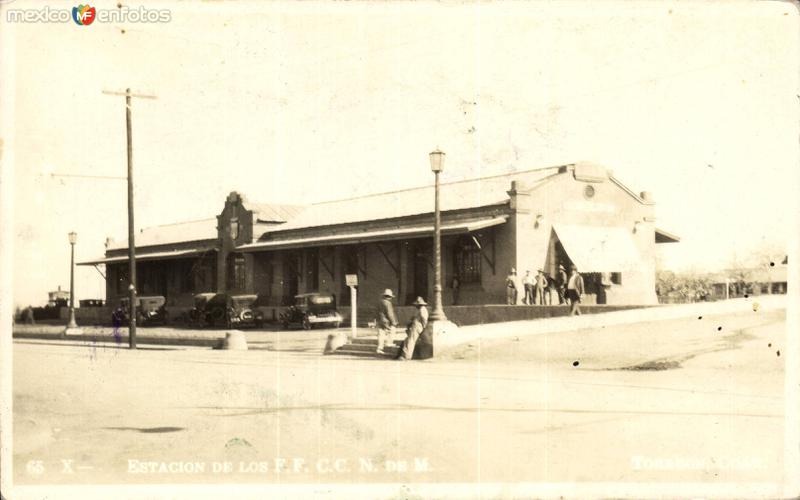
[(415, 327), (386, 321), (574, 291), (561, 284), (511, 287)]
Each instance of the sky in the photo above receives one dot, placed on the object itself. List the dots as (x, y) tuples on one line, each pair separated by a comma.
[(301, 102)]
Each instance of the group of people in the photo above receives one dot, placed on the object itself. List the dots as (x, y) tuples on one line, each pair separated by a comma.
[(387, 321), (543, 289)]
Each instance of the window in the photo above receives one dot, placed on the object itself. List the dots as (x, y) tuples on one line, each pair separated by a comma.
[(467, 261), (616, 278), (236, 272)]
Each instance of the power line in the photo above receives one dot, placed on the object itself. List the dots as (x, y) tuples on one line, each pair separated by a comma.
[(86, 176)]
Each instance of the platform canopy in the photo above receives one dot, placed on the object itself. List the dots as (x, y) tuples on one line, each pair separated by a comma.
[(146, 256), (372, 235), (597, 249)]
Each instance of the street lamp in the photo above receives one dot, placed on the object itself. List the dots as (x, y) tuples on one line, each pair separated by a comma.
[(72, 325), (439, 329), (437, 165)]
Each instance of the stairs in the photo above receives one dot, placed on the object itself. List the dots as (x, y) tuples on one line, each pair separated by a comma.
[(366, 346)]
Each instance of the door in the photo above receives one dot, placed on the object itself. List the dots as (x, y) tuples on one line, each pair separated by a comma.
[(312, 270), (291, 271)]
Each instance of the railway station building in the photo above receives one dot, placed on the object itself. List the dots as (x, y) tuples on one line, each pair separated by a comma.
[(527, 220)]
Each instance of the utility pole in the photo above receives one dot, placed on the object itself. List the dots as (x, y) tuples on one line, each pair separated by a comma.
[(131, 240)]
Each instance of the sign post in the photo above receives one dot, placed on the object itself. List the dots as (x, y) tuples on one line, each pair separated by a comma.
[(352, 281)]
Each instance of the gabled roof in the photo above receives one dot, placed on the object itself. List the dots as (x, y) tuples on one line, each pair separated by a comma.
[(272, 218), (179, 232), (455, 195), (273, 213)]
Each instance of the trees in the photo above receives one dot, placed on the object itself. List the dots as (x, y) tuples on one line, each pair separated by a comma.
[(674, 287)]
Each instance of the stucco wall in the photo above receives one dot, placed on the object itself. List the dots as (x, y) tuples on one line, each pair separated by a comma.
[(562, 200)]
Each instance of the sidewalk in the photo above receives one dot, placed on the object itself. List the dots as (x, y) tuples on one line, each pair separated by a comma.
[(572, 323), (272, 339), (314, 340)]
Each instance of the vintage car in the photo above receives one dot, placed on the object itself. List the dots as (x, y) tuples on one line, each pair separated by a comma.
[(224, 310), (196, 316), (311, 309), (149, 311)]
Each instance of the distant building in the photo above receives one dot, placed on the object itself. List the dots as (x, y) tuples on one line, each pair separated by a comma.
[(58, 298), (772, 279), (541, 218)]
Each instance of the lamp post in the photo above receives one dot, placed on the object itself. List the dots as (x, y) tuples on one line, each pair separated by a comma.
[(72, 325), (437, 165), (439, 330)]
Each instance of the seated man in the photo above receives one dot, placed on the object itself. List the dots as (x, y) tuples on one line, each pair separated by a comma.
[(414, 329)]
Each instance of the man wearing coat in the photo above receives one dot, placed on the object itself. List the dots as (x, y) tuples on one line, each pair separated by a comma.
[(512, 287), (386, 321), (574, 291), (415, 327), (561, 284)]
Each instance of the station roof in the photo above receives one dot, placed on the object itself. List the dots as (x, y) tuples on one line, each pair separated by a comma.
[(179, 232), (270, 220), (471, 193)]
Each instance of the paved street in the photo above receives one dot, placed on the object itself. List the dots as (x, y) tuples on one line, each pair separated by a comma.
[(678, 400)]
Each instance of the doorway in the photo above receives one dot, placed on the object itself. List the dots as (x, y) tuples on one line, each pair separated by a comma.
[(421, 260), (291, 272)]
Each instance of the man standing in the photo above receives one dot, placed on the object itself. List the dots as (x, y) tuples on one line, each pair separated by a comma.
[(561, 284), (511, 287), (550, 295), (456, 285), (29, 317), (527, 283), (386, 321), (541, 284), (415, 327), (602, 290), (574, 291)]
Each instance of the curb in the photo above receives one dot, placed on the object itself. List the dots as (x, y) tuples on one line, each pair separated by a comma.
[(123, 340)]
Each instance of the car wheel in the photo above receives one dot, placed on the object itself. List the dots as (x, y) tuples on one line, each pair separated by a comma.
[(306, 324)]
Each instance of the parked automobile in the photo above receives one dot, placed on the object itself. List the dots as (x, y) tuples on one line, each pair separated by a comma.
[(196, 316), (150, 310), (311, 309), (224, 310)]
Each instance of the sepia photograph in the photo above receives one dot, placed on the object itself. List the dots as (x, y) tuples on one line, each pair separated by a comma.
[(404, 250)]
